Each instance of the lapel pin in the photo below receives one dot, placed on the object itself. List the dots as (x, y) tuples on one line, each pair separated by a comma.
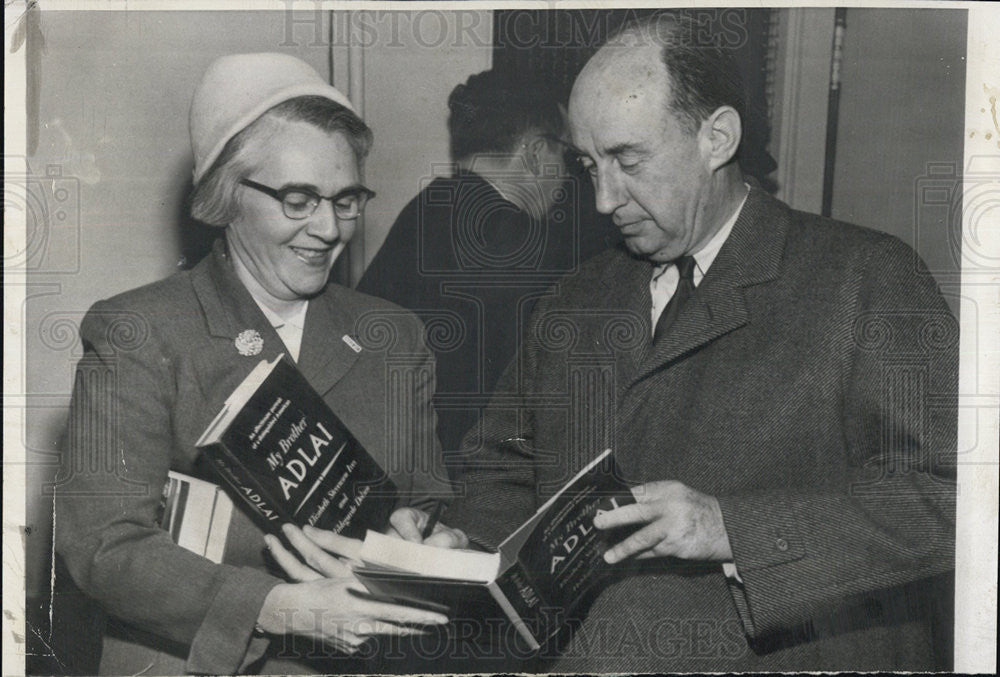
[(249, 343), (352, 343)]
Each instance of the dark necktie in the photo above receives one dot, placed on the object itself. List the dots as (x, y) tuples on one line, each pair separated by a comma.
[(684, 291)]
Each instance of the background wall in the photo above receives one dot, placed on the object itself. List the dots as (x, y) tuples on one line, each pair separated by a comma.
[(902, 122)]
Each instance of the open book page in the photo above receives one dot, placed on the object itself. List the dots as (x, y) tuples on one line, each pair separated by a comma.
[(396, 554), (540, 573), (513, 543), (560, 551)]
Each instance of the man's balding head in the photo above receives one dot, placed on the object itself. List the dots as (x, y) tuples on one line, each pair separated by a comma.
[(702, 74), (659, 143)]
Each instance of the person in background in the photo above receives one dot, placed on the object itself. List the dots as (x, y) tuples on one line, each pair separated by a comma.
[(277, 165), (472, 252)]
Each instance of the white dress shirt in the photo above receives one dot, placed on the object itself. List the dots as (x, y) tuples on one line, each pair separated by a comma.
[(666, 276), (289, 330)]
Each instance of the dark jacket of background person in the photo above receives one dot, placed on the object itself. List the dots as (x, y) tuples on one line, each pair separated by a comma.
[(158, 363), (810, 385), (471, 265)]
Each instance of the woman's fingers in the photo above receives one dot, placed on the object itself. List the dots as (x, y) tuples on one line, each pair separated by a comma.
[(314, 555), (340, 612), (296, 570), (350, 641), (408, 523), (372, 628), (398, 614), (348, 548), (447, 537)]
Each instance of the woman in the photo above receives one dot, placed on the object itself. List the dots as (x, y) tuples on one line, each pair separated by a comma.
[(278, 157)]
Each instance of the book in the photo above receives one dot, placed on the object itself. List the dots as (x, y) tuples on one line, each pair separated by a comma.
[(287, 456), (196, 514), (200, 517), (538, 575)]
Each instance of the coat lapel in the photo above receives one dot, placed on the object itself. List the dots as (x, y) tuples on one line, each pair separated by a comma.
[(634, 274), (325, 356), (751, 255), (229, 309)]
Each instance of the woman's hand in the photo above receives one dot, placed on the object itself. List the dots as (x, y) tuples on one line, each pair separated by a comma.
[(328, 602), (409, 523)]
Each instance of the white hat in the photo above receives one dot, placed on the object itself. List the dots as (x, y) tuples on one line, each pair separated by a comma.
[(238, 89)]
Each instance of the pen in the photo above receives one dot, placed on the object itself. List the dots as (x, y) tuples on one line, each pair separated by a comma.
[(432, 522)]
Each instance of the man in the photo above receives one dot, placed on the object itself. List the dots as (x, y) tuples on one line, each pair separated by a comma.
[(789, 428), (472, 252)]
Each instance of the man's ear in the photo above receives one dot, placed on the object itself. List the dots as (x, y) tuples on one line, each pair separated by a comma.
[(721, 134), (535, 148)]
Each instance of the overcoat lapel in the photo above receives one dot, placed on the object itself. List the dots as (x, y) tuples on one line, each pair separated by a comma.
[(634, 275), (751, 255)]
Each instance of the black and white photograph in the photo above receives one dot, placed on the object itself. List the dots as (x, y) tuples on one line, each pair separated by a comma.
[(525, 337)]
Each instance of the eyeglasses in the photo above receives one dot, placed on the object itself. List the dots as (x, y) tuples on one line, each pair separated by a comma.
[(300, 203)]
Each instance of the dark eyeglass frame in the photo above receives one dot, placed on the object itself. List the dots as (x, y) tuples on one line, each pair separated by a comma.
[(343, 212)]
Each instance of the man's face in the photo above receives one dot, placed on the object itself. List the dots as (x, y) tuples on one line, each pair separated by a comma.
[(649, 173)]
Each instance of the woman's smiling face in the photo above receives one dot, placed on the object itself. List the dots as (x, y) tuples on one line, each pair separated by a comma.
[(290, 259)]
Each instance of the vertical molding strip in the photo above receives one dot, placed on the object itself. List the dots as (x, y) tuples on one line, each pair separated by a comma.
[(347, 73), (774, 40), (356, 93), (789, 107), (833, 108), (799, 124)]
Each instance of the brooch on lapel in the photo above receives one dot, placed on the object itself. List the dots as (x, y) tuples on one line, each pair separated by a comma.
[(249, 343)]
